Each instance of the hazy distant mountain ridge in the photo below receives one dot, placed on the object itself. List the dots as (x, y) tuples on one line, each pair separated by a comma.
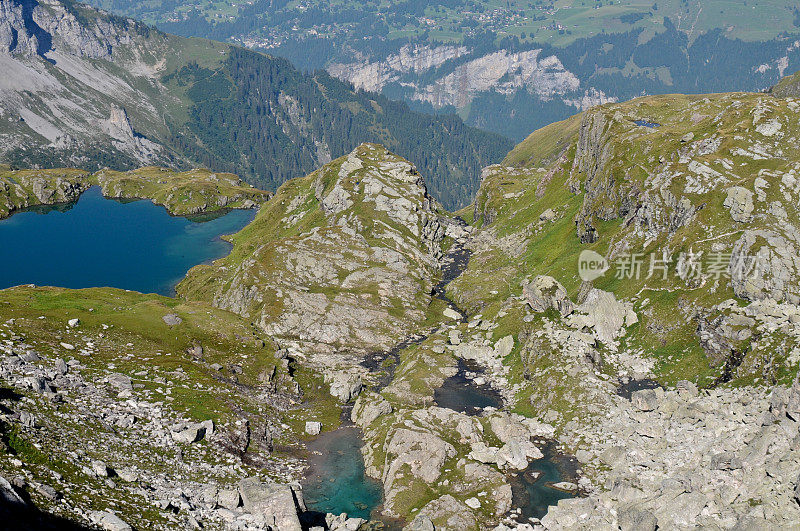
[(502, 66)]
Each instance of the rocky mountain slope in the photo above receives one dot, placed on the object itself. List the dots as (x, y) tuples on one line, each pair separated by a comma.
[(625, 284), (90, 90), (514, 87), (339, 263), (641, 245)]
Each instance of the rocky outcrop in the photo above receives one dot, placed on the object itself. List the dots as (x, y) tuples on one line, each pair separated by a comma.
[(315, 277), (604, 315), (181, 193), (503, 71), (38, 28), (277, 506), (739, 201), (19, 190), (91, 412), (545, 292), (373, 76)]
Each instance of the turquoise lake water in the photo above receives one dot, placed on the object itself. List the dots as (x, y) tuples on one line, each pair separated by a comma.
[(98, 242), (336, 482)]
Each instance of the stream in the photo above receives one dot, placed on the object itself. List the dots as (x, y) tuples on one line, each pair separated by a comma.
[(336, 481)]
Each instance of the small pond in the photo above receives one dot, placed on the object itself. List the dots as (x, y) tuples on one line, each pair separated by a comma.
[(532, 488), (466, 395), (336, 481)]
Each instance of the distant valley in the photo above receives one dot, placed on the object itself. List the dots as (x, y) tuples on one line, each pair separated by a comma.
[(508, 67)]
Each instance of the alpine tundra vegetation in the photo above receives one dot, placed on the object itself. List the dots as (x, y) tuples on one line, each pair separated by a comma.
[(608, 337)]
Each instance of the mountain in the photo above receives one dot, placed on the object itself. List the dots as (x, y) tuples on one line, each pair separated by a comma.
[(607, 338), (643, 256), (89, 90), (345, 257), (508, 67)]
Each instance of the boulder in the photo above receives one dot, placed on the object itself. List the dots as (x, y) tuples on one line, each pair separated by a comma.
[(192, 433), (545, 292), (793, 402), (725, 461), (451, 314), (645, 400), (172, 319), (110, 521), (454, 337), (73, 322), (504, 346), (120, 381), (740, 203), (482, 453), (515, 453), (633, 519), (278, 504), (100, 469), (313, 428), (61, 366), (228, 498)]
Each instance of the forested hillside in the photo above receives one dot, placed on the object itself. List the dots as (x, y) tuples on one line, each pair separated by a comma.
[(260, 117), (92, 90)]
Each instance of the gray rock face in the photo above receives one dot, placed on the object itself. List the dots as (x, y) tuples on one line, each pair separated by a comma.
[(740, 202), (768, 270), (545, 292), (50, 26), (344, 385), (368, 408), (277, 504), (172, 319)]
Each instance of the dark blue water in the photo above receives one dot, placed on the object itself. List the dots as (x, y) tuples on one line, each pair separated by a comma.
[(531, 488), (99, 242), (462, 394), (336, 482), (645, 123)]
